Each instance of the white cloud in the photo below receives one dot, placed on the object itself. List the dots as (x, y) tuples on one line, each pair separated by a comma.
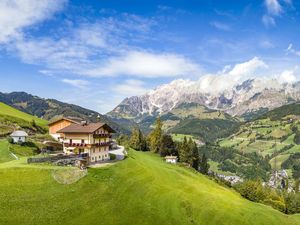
[(273, 7), (216, 83), (290, 49), (15, 15), (288, 76), (268, 21), (247, 68), (145, 64), (81, 84), (131, 87), (220, 25), (102, 49)]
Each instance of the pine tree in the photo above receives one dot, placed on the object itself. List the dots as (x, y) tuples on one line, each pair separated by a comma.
[(204, 166), (185, 153), (195, 156), (155, 136), (137, 140), (296, 176), (167, 146)]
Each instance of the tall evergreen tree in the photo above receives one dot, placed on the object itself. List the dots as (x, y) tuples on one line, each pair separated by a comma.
[(204, 166), (195, 156), (155, 136), (137, 140), (185, 151), (167, 146), (296, 176)]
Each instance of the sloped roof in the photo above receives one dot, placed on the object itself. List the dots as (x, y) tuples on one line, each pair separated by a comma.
[(71, 119), (86, 128), (19, 133)]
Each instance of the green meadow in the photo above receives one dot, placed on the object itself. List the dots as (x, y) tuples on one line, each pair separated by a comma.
[(6, 110), (142, 189)]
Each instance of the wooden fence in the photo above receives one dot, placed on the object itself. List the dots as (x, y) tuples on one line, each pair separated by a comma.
[(55, 158)]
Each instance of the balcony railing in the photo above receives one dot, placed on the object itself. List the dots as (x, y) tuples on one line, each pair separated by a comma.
[(107, 143), (68, 144), (101, 135)]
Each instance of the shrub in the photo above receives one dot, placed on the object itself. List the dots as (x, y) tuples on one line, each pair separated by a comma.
[(112, 156), (256, 192), (10, 140)]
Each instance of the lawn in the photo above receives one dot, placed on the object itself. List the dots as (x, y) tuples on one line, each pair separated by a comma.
[(10, 111), (5, 154), (214, 167), (180, 137), (142, 190)]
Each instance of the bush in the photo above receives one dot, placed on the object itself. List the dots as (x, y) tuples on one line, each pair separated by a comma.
[(256, 192), (252, 190), (10, 140), (112, 156)]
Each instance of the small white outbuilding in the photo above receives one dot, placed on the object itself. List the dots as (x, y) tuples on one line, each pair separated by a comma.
[(171, 159), (19, 136)]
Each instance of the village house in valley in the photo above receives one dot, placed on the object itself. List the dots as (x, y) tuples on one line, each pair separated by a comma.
[(60, 123), (89, 139)]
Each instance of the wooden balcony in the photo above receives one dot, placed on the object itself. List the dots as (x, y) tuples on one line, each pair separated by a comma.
[(76, 145), (102, 135), (107, 143), (83, 145)]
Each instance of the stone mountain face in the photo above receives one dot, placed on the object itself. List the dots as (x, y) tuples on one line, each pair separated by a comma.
[(241, 98)]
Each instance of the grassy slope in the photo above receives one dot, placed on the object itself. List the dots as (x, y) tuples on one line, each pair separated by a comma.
[(140, 190), (4, 152), (10, 111)]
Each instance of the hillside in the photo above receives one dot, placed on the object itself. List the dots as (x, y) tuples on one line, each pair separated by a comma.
[(11, 118), (271, 136), (140, 190), (49, 108)]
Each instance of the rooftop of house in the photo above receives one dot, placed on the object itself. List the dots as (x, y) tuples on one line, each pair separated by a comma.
[(171, 157), (19, 133), (85, 128), (69, 118)]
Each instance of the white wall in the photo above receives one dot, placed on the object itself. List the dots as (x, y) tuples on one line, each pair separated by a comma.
[(19, 139)]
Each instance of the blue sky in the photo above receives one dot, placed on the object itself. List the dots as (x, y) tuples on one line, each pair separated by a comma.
[(95, 53)]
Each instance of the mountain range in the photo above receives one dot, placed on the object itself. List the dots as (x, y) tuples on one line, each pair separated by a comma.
[(241, 99)]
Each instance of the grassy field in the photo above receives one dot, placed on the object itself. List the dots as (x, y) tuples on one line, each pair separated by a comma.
[(10, 111), (142, 190), (180, 137), (5, 154)]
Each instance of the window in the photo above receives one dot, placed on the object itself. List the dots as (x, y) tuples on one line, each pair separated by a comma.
[(70, 141), (99, 156), (93, 150), (82, 141)]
